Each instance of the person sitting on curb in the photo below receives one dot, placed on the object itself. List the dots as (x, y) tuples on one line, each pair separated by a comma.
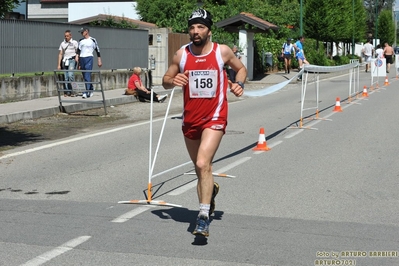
[(135, 87)]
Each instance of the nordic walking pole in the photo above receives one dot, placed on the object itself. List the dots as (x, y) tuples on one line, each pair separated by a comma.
[(163, 127), (149, 188), (149, 200)]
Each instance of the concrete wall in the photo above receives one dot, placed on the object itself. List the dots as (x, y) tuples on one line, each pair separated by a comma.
[(159, 50), (28, 88), (54, 12)]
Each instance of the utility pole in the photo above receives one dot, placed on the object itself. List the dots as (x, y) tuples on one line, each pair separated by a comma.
[(394, 12), (353, 29), (301, 18), (376, 23)]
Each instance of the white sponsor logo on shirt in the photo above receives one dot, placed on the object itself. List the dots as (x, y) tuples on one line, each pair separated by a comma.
[(200, 60)]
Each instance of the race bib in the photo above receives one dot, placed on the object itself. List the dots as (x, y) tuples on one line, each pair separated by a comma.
[(203, 83)]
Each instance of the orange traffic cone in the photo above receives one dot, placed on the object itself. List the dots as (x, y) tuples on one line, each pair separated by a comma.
[(337, 107), (386, 83), (261, 146), (365, 93)]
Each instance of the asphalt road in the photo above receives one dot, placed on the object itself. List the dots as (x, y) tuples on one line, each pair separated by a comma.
[(321, 194)]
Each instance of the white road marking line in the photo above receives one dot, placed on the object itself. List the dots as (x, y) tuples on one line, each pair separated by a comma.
[(294, 133), (129, 215), (47, 256), (193, 184), (232, 165), (170, 169), (272, 145), (275, 143), (183, 189), (314, 122), (73, 140)]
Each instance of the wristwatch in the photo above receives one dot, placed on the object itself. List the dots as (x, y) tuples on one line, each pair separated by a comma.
[(241, 84)]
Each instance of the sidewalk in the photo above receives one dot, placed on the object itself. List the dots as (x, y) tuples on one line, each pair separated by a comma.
[(44, 107), (48, 106)]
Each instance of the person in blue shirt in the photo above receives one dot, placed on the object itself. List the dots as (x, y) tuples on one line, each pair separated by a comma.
[(300, 54)]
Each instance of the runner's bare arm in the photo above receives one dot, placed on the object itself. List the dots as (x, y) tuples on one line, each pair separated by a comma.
[(236, 64), (230, 59), (173, 77)]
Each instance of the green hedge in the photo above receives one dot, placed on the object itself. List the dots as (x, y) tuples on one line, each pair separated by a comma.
[(313, 55)]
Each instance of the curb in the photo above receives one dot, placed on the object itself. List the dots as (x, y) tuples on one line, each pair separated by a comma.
[(68, 108)]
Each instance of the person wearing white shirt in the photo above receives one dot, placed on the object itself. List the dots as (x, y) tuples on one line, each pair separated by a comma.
[(87, 45), (368, 51), (66, 60), (379, 52), (286, 51)]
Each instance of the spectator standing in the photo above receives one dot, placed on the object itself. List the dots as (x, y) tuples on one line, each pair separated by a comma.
[(67, 60), (368, 52), (379, 52), (232, 73), (388, 53), (136, 86), (286, 52), (86, 46), (199, 69)]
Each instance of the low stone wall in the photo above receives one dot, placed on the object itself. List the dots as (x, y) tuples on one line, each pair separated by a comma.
[(27, 88)]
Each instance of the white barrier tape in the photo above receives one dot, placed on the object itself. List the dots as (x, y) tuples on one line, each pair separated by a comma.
[(308, 68), (271, 89), (328, 69)]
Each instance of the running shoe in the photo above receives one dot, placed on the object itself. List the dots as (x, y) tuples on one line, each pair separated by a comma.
[(163, 98), (202, 228), (214, 193)]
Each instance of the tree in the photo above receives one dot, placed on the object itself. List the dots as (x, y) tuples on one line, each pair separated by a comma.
[(386, 27), (325, 20), (373, 9), (334, 21), (7, 6), (359, 27), (111, 22), (315, 24), (163, 13), (329, 20), (166, 14)]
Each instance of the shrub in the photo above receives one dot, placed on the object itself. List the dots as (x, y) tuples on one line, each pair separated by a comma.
[(315, 54)]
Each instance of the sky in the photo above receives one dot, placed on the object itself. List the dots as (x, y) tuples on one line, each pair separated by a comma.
[(21, 9), (83, 10)]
